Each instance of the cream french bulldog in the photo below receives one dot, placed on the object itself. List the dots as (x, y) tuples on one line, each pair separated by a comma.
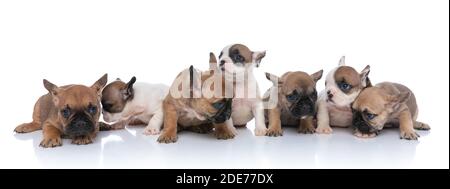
[(133, 103), (296, 102), (386, 105), (342, 85), (197, 101), (237, 62)]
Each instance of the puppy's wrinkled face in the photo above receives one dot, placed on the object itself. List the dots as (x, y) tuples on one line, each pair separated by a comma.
[(374, 107), (344, 83), (238, 58), (298, 93), (114, 98), (77, 106)]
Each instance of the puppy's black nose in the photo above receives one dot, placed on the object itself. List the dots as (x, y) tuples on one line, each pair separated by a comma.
[(222, 62), (329, 94)]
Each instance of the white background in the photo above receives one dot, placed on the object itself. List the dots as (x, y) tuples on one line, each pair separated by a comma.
[(405, 41)]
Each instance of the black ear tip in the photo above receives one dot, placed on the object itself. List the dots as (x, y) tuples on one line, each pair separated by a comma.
[(191, 68), (133, 78)]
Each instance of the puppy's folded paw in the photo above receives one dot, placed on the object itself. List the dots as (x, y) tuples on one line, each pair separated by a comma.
[(165, 138), (364, 135), (260, 131), (82, 140), (274, 132), (26, 128), (104, 126), (151, 131), (421, 126), (324, 130), (51, 142), (409, 135)]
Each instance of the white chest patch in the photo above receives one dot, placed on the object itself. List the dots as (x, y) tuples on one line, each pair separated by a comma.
[(242, 110), (192, 114)]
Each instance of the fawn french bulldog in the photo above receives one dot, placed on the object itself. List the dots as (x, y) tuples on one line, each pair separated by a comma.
[(70, 111), (386, 105), (296, 102)]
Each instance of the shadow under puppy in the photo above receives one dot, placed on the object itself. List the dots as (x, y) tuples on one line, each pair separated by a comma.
[(197, 101), (295, 96), (133, 103), (70, 111), (386, 104)]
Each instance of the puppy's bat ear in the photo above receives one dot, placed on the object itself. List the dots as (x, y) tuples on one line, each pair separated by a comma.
[(212, 61), (342, 61), (316, 76), (364, 75), (399, 98), (273, 78), (128, 91), (258, 56), (51, 88), (99, 84)]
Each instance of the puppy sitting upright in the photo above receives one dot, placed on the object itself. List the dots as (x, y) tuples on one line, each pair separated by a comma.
[(386, 104), (70, 111), (134, 104), (237, 62), (197, 101), (296, 102), (343, 84)]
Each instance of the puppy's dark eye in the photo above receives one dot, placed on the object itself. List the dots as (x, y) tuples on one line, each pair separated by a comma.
[(218, 105), (344, 86), (107, 106), (66, 112), (370, 116), (92, 109), (292, 97)]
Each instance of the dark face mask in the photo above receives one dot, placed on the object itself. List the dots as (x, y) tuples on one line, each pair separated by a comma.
[(304, 106), (80, 125), (222, 114), (360, 124)]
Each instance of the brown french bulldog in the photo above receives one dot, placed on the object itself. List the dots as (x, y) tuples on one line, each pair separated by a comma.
[(386, 105), (197, 101), (70, 111), (297, 96)]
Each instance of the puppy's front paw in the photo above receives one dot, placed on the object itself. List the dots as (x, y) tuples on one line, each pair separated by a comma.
[(306, 130), (274, 132), (83, 140), (51, 142), (364, 135), (260, 131), (151, 131), (167, 138), (324, 130), (223, 133), (409, 135), (26, 128)]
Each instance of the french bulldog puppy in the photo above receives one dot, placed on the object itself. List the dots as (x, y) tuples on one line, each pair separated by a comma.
[(343, 84), (133, 103), (386, 104), (70, 111), (197, 101), (237, 61), (296, 102)]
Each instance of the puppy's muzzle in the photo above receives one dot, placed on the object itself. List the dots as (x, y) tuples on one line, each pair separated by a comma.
[(80, 125), (223, 114), (303, 107), (361, 125)]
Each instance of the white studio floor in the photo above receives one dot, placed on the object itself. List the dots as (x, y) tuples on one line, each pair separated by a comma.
[(130, 149)]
